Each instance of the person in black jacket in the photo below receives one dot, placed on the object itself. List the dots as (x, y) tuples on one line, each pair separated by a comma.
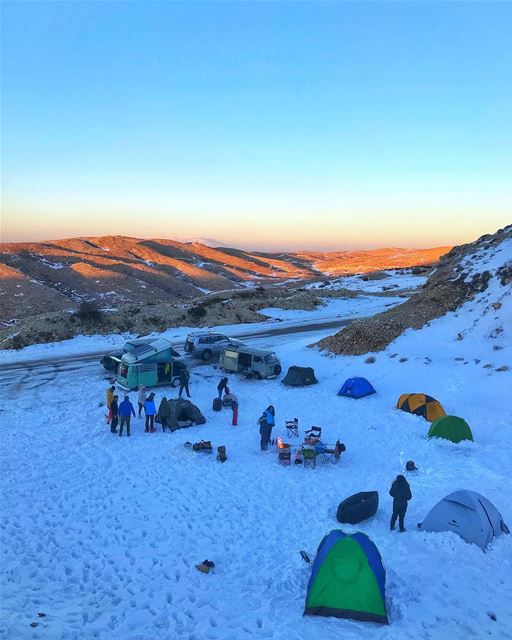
[(222, 386), (184, 378), (114, 408), (401, 493)]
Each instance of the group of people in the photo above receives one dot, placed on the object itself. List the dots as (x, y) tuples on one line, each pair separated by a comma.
[(120, 414)]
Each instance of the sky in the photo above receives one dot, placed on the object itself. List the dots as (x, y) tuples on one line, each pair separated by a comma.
[(263, 125)]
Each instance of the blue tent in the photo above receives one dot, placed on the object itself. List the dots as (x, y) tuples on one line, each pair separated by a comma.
[(356, 388)]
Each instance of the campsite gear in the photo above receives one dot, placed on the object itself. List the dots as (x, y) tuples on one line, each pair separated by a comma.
[(348, 579), (221, 454), (309, 456), (253, 363), (292, 428), (203, 445), (205, 566), (410, 466), (299, 377), (217, 404), (450, 428), (313, 435), (358, 507), (150, 362), (305, 557), (333, 453), (356, 388), (284, 455), (401, 493), (234, 408), (183, 414), (421, 405), (469, 514)]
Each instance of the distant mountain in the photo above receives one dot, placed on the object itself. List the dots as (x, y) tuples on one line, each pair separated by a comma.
[(37, 277)]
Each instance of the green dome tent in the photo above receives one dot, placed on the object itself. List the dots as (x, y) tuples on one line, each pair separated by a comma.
[(450, 428), (347, 579)]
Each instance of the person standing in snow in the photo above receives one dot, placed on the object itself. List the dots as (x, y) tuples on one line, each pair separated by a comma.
[(164, 412), (233, 400), (115, 415), (401, 493), (222, 387), (266, 422), (126, 410), (141, 398), (150, 410), (110, 397), (184, 379)]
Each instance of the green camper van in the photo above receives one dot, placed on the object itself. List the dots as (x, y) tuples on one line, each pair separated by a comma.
[(151, 363)]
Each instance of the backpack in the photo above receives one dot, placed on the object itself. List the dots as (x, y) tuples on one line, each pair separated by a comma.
[(217, 404), (410, 466)]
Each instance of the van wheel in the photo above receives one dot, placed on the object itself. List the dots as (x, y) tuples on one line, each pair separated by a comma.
[(206, 355), (256, 375), (175, 383)]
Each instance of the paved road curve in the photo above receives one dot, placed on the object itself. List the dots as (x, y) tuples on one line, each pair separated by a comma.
[(10, 372)]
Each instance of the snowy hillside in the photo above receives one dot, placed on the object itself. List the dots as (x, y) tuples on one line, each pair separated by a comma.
[(102, 533)]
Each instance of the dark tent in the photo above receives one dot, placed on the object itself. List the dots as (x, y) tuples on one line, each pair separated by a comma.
[(348, 579), (356, 388), (358, 507), (183, 411), (299, 377)]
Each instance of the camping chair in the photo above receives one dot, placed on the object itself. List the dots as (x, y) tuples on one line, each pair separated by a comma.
[(292, 428), (313, 435), (309, 456), (332, 454)]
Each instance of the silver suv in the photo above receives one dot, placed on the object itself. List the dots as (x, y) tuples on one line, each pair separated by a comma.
[(207, 344)]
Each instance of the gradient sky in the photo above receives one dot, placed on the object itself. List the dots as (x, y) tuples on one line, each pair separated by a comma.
[(320, 125)]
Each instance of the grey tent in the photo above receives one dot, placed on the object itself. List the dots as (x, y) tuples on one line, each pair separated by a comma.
[(183, 413), (299, 377), (469, 514)]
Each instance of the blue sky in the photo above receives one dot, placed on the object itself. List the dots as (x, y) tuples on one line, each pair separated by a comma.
[(315, 125)]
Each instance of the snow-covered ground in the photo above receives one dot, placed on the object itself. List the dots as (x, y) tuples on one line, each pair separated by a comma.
[(399, 279), (101, 533)]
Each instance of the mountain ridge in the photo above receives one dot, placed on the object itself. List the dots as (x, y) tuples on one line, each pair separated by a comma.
[(36, 277)]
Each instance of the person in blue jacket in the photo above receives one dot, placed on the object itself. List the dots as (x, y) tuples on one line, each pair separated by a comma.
[(266, 422), (126, 410), (150, 410)]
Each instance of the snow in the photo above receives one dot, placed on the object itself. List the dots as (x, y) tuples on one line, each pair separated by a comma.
[(101, 533), (398, 279), (336, 308)]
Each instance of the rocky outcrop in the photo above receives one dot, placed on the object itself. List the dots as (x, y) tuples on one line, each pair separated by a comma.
[(460, 275)]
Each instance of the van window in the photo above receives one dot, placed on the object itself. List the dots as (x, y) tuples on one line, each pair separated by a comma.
[(256, 359), (271, 358), (123, 371)]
